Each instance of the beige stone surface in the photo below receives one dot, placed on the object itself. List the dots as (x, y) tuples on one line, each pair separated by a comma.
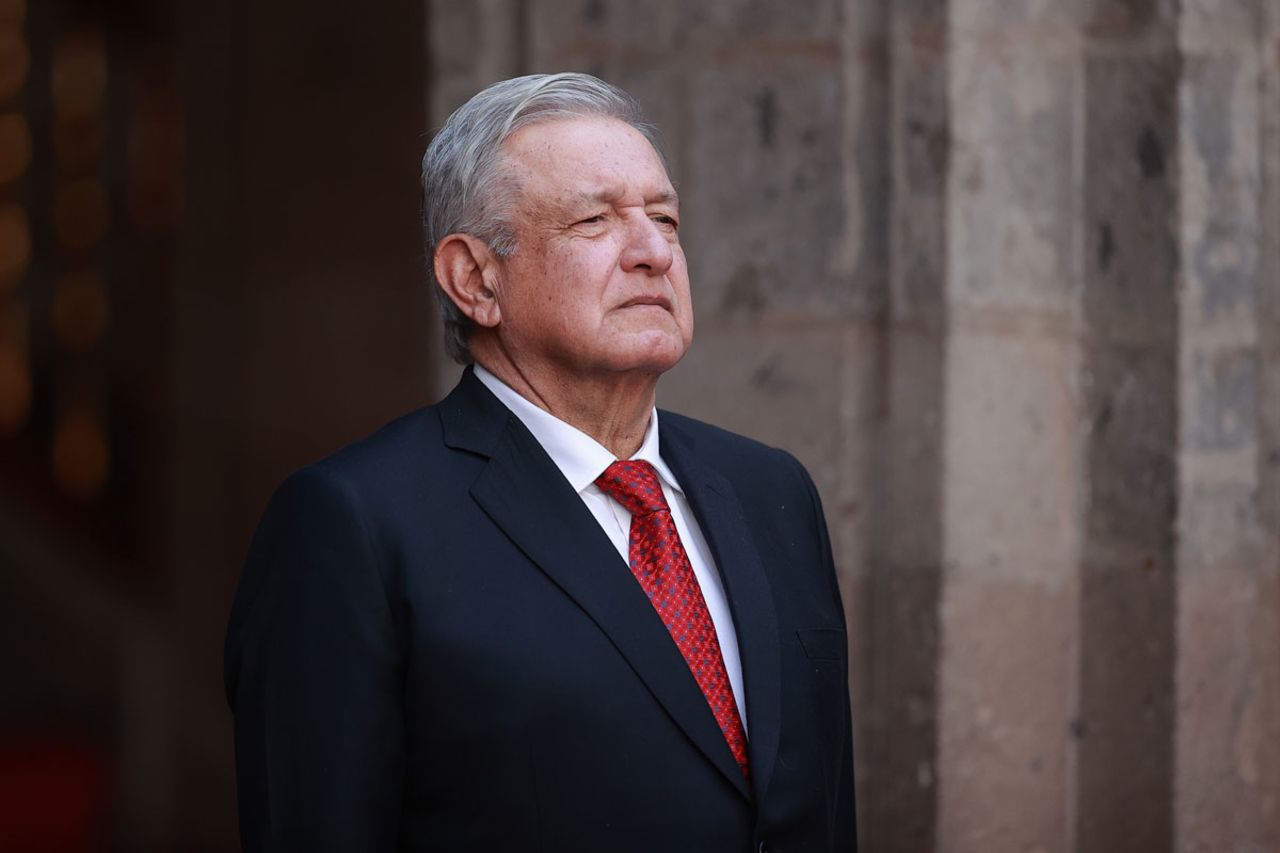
[(1006, 690), (1228, 786), (1011, 454)]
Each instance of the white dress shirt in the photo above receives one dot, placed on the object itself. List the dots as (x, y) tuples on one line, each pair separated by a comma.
[(582, 459)]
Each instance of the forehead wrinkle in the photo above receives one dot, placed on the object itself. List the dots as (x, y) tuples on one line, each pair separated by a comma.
[(533, 167)]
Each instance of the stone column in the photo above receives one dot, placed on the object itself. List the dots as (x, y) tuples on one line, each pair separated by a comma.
[(1011, 446), (1228, 670)]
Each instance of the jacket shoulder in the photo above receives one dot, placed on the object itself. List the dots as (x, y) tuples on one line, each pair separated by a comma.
[(406, 451), (408, 434), (714, 443)]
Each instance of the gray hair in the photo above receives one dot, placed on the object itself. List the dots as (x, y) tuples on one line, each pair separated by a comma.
[(466, 190)]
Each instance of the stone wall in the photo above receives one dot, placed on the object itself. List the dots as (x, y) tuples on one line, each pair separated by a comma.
[(1006, 277)]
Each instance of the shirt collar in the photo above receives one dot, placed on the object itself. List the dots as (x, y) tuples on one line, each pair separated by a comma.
[(578, 456)]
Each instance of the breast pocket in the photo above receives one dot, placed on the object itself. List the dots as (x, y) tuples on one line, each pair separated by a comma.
[(826, 651), (824, 643)]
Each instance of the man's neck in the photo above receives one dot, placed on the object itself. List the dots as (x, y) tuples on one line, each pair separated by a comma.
[(614, 410)]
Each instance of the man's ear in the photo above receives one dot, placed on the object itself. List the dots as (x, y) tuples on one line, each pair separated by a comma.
[(467, 270)]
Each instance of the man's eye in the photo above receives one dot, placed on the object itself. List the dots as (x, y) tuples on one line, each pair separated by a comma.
[(666, 220), (591, 220)]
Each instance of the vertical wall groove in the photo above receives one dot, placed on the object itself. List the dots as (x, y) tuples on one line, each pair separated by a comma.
[(1124, 724), (900, 796)]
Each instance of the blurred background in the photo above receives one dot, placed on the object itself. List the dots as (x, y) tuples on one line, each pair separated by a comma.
[(1004, 275)]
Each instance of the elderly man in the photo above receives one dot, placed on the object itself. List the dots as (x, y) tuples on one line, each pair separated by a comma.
[(542, 615)]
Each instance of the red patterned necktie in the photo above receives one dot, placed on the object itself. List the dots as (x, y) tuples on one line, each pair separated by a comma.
[(660, 564)]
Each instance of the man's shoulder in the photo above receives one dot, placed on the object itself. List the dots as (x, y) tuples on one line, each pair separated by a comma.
[(711, 437), (402, 458), (727, 451), (399, 442), (772, 487)]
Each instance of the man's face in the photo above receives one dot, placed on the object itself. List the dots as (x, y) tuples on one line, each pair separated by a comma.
[(598, 283)]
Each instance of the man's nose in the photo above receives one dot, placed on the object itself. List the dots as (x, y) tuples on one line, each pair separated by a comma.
[(648, 248)]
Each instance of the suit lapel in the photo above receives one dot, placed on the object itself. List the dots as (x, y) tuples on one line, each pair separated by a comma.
[(525, 495), (755, 620)]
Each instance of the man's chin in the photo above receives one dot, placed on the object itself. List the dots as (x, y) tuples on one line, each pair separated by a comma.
[(653, 357)]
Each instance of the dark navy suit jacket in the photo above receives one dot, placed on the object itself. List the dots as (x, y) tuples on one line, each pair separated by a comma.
[(434, 647)]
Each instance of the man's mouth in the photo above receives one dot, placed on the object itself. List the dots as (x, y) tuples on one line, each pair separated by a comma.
[(657, 301)]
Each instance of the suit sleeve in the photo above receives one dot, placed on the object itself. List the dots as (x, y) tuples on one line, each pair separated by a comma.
[(844, 823), (313, 676)]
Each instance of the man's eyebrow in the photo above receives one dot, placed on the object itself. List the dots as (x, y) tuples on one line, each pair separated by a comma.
[(670, 197)]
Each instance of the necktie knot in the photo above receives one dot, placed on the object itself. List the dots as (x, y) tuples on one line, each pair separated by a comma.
[(634, 484)]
